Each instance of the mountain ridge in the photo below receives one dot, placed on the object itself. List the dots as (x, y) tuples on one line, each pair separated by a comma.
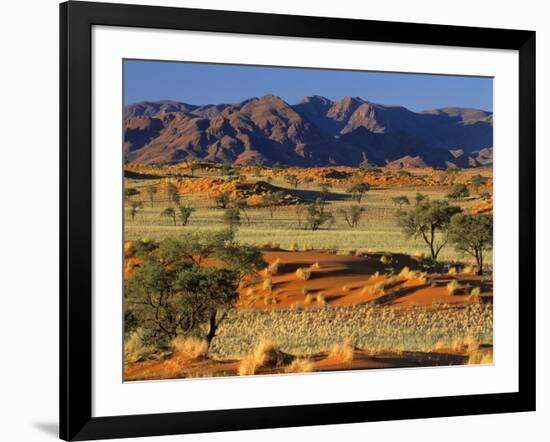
[(316, 131)]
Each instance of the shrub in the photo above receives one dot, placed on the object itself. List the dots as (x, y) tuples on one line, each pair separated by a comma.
[(458, 191)]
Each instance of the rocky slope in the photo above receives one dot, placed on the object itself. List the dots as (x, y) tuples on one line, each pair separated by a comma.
[(314, 132)]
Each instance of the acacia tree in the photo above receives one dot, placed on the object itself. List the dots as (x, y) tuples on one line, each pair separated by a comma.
[(401, 201), (477, 181), (173, 194), (134, 207), (292, 179), (358, 190), (184, 213), (151, 192), (172, 294), (419, 197), (352, 215), (299, 210), (232, 217), (130, 192), (472, 235), (272, 201), (485, 195), (222, 199), (426, 219), (316, 215), (241, 204), (170, 213)]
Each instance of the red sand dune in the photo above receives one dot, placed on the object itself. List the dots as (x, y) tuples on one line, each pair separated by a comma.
[(342, 279)]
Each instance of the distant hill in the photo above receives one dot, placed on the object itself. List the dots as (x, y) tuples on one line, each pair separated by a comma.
[(314, 132)]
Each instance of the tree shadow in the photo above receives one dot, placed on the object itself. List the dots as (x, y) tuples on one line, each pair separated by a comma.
[(312, 195)]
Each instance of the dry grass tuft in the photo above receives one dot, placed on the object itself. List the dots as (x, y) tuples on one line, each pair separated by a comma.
[(262, 349), (321, 298), (189, 347), (343, 352), (247, 366), (406, 272), (468, 344), (468, 270), (268, 285), (480, 356), (345, 288), (452, 271), (274, 266), (421, 277), (410, 275), (452, 286), (302, 365), (474, 293), (303, 274), (250, 363), (315, 266)]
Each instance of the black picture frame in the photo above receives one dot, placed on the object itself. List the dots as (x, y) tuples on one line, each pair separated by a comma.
[(76, 21)]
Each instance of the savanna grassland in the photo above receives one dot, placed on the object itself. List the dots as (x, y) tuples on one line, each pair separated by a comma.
[(254, 270)]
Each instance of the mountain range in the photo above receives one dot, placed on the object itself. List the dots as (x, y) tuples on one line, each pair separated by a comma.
[(316, 131)]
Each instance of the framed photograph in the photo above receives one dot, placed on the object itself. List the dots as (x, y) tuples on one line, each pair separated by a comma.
[(272, 221)]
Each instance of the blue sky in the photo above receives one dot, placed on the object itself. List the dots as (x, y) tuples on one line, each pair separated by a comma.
[(200, 83)]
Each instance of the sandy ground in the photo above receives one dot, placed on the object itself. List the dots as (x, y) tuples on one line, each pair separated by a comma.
[(176, 366)]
